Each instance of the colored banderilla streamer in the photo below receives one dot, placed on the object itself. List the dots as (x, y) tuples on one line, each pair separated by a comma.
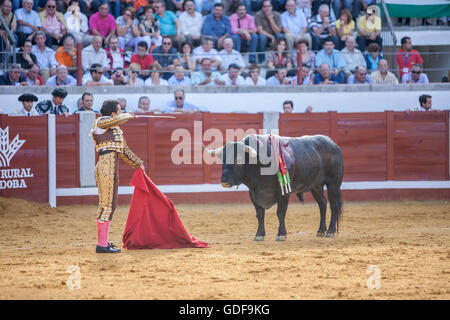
[(283, 176)]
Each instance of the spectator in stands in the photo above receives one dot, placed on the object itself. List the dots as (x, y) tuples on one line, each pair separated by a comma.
[(28, 22), (102, 23), (333, 58), (205, 76), (168, 22), (155, 78), (127, 29), (191, 23), (179, 77), (325, 76), (268, 24), (373, 56), (179, 105), (307, 76), (33, 77), (143, 59), (279, 57), (360, 5), (230, 56), (13, 77), (186, 57), (369, 29), (27, 109), (205, 7), (383, 75), (55, 105), (53, 24), (407, 57), (133, 75), (206, 50), (244, 32), (11, 22), (360, 76), (25, 57), (149, 28), (233, 78), (167, 57), (87, 102), (416, 75), (278, 79), (352, 56), (294, 25), (45, 56), (344, 27), (61, 78), (217, 26), (143, 105), (96, 77), (322, 26), (119, 77), (254, 79), (67, 53), (115, 55), (305, 7), (288, 106), (77, 23), (315, 7), (123, 104), (94, 54), (308, 57), (425, 102)]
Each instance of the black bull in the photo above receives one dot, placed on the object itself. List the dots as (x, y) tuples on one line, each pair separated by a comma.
[(315, 161)]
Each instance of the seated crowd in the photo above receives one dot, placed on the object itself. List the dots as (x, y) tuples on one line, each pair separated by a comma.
[(199, 42)]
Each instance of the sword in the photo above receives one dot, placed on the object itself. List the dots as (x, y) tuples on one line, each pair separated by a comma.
[(167, 117)]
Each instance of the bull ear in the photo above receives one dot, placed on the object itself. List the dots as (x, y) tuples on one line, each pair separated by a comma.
[(252, 152)]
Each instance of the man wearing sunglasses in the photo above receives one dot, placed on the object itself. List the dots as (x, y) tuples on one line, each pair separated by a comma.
[(179, 105), (53, 23), (96, 77), (416, 75)]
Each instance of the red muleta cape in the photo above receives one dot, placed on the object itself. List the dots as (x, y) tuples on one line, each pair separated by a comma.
[(153, 221)]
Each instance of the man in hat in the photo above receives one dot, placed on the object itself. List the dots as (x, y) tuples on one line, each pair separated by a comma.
[(54, 106), (27, 100)]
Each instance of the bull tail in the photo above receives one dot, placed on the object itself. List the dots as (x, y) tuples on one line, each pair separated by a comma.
[(339, 210)]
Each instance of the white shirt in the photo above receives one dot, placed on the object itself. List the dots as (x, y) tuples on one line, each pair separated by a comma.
[(260, 82), (87, 78), (118, 60), (89, 56), (149, 82), (239, 80), (23, 112), (45, 59), (191, 26), (74, 24), (231, 57), (200, 53)]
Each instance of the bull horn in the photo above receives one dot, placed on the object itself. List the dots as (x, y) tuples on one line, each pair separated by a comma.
[(216, 152), (252, 152)]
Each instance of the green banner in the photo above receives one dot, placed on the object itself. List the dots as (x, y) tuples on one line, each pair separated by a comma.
[(418, 9)]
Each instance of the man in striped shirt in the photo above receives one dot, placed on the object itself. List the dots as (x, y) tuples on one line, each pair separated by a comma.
[(321, 27)]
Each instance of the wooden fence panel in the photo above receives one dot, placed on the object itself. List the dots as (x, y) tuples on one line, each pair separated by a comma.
[(33, 155), (362, 138), (421, 146), (300, 124), (67, 152)]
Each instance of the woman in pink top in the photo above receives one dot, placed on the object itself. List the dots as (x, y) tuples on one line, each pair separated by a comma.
[(102, 23)]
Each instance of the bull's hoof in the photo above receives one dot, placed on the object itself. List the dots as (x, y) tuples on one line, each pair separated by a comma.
[(330, 234), (280, 238), (258, 238), (321, 234)]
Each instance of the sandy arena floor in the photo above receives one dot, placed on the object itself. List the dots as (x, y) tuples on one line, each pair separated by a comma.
[(409, 243)]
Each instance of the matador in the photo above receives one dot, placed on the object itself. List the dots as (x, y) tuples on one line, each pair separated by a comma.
[(110, 144)]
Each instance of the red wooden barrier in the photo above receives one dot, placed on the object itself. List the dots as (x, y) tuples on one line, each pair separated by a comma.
[(31, 159), (381, 146), (67, 152)]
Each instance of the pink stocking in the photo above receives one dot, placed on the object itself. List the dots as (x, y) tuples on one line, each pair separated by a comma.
[(102, 233)]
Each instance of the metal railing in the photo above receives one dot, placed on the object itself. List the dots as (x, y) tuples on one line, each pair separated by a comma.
[(4, 59), (388, 36)]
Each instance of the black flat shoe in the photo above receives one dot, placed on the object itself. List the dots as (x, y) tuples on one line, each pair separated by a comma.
[(111, 248)]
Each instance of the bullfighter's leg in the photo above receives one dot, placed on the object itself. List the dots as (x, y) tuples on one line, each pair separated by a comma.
[(335, 199), (281, 214), (318, 195)]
